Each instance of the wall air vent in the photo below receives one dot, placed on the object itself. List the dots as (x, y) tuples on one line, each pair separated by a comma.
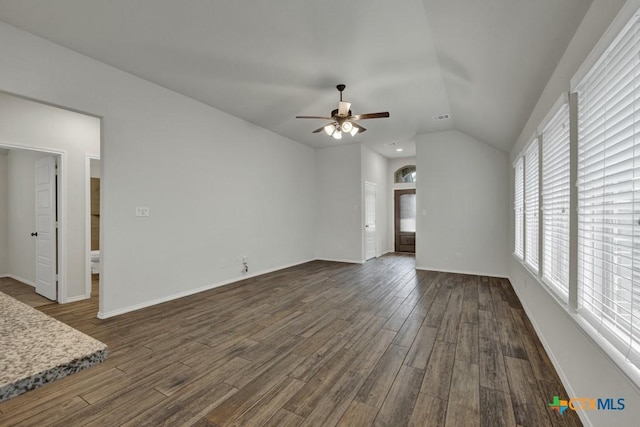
[(440, 117)]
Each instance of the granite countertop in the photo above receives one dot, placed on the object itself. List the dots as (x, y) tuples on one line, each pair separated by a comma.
[(36, 349)]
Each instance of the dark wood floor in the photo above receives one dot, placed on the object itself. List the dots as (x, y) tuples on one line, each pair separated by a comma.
[(22, 292), (320, 344)]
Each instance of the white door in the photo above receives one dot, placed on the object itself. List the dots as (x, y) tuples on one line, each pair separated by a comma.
[(369, 220), (45, 233)]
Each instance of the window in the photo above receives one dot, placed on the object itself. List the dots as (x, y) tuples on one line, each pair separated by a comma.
[(555, 202), (405, 174), (531, 205), (519, 208), (609, 194)]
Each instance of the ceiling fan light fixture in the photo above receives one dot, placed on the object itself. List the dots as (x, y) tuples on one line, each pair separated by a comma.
[(329, 129), (341, 120)]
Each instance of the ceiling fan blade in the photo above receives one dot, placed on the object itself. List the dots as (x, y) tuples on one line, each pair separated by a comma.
[(357, 126), (370, 116), (319, 129), (314, 117), (343, 108)]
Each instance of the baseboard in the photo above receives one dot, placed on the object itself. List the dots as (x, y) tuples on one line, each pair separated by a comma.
[(473, 273), (349, 261), (382, 253), (19, 279), (554, 361), (108, 314)]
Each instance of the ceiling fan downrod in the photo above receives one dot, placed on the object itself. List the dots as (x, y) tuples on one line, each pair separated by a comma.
[(340, 88)]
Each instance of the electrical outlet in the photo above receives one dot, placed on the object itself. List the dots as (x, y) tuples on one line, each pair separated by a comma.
[(142, 211)]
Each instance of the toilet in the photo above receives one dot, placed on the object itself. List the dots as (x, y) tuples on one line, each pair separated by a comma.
[(95, 262)]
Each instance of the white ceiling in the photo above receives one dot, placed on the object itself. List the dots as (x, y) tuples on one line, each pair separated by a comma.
[(484, 62)]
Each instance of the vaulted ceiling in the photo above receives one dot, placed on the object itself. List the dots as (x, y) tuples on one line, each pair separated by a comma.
[(484, 62)]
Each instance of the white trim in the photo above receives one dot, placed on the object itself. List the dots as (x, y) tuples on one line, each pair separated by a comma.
[(518, 157), (61, 203), (364, 219), (135, 307), (384, 252), (471, 273), (349, 261), (19, 279), (534, 137), (560, 102), (62, 228), (619, 22), (87, 222)]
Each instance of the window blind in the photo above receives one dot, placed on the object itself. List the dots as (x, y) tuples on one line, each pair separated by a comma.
[(531, 175), (519, 208), (609, 194), (555, 202)]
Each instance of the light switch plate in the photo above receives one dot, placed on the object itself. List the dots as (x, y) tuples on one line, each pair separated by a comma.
[(142, 211)]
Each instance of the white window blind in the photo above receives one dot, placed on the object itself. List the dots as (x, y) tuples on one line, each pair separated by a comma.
[(609, 194), (555, 202), (531, 175), (519, 208)]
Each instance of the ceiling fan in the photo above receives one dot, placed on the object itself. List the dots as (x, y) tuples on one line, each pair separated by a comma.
[(341, 119)]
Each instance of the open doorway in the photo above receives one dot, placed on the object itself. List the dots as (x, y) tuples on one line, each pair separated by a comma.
[(30, 196), (93, 173), (69, 136)]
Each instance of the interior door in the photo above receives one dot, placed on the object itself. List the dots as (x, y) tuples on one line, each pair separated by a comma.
[(45, 233), (370, 220), (405, 220)]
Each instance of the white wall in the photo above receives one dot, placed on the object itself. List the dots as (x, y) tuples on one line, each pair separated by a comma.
[(4, 248), (94, 168), (217, 187), (375, 168), (21, 184), (584, 367), (339, 191), (394, 165), (31, 124), (462, 196)]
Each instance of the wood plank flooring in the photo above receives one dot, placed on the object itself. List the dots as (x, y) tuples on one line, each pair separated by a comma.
[(22, 292), (320, 344)]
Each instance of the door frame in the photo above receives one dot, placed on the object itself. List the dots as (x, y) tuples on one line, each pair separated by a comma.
[(60, 202), (396, 213), (364, 220), (87, 223)]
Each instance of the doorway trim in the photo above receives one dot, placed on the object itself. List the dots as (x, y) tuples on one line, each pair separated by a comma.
[(87, 223), (60, 203), (365, 210)]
